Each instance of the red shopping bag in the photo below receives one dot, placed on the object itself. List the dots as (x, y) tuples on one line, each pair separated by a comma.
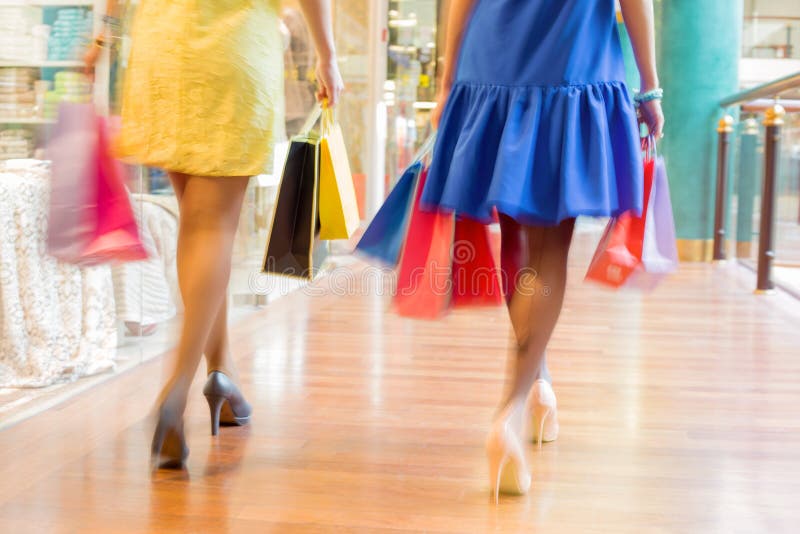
[(475, 277), (424, 284), (619, 252), (100, 226)]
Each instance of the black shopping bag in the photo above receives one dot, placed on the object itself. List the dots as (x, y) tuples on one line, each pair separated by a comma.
[(293, 249)]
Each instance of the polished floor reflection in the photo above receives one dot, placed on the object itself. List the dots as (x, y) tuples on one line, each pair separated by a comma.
[(678, 414)]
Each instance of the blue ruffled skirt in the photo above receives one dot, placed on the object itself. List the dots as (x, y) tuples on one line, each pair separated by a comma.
[(538, 123), (537, 154)]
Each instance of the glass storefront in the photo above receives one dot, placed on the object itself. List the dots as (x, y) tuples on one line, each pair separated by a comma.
[(60, 322), (410, 88)]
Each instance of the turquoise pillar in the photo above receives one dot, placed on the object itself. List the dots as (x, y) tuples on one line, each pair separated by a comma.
[(698, 45), (631, 71)]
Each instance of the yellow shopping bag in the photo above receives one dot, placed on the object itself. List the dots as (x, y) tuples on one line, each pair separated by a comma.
[(338, 207)]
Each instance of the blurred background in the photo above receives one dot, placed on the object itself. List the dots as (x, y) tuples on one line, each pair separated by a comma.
[(60, 323)]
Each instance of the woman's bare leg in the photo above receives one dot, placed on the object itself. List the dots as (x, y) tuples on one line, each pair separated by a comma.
[(534, 264), (217, 350), (210, 210)]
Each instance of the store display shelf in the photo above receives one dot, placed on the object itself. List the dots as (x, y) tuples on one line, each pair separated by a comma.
[(42, 64), (47, 3), (28, 120)]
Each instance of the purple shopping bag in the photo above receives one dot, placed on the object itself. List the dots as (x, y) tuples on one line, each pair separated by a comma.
[(659, 249), (73, 152)]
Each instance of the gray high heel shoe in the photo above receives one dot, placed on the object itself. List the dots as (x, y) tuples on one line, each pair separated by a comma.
[(168, 449), (226, 403)]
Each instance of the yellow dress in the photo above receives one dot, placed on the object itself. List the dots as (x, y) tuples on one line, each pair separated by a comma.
[(203, 91)]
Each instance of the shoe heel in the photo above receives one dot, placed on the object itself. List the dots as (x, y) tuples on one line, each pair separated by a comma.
[(496, 464), (541, 428), (215, 403), (218, 390)]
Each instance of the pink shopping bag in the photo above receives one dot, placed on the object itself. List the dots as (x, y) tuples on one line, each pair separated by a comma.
[(91, 219)]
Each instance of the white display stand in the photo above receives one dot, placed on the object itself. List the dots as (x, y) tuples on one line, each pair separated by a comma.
[(57, 322)]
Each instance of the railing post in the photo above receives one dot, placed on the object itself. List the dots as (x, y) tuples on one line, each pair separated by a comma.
[(746, 188), (766, 239), (724, 131)]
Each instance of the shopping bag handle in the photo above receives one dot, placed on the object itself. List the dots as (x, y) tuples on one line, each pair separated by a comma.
[(327, 120), (649, 148), (426, 148), (323, 113), (312, 119)]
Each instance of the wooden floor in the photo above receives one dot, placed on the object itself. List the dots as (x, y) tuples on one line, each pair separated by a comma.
[(679, 413)]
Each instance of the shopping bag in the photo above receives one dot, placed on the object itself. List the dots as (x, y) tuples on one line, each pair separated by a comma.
[(475, 276), (292, 240), (424, 279), (659, 247), (99, 221), (338, 207), (116, 237), (72, 150), (383, 238), (619, 252)]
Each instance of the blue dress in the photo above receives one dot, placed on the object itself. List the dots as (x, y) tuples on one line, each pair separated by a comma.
[(539, 123)]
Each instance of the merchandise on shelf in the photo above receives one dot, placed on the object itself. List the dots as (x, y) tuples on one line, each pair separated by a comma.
[(16, 144), (16, 37), (70, 86), (70, 33), (16, 92)]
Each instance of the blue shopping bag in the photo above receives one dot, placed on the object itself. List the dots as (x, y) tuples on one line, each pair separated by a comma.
[(383, 239)]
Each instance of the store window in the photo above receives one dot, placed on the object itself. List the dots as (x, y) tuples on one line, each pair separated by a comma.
[(60, 322), (410, 89)]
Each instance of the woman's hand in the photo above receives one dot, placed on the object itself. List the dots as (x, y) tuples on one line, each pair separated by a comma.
[(318, 16), (650, 114), (90, 58), (329, 81)]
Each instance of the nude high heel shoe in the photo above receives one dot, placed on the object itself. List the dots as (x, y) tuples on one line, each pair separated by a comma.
[(508, 469), (544, 412)]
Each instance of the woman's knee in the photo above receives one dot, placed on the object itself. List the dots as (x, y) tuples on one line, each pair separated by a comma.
[(212, 203)]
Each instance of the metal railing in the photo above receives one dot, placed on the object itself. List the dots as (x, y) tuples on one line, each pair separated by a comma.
[(772, 99)]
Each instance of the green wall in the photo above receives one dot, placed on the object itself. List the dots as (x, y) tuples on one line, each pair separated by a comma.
[(631, 70)]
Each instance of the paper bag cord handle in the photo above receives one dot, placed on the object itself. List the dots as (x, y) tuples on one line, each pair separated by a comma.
[(312, 119), (426, 148)]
